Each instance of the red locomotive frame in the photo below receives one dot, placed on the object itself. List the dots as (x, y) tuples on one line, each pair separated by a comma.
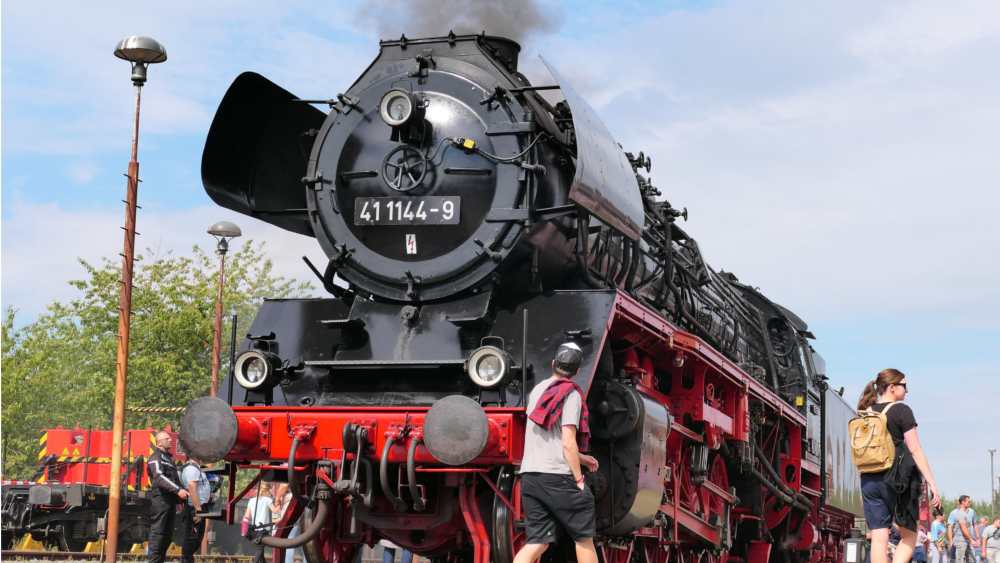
[(708, 388)]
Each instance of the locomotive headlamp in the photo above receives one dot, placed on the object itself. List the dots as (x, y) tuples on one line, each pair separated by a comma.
[(254, 369), (488, 366), (399, 107)]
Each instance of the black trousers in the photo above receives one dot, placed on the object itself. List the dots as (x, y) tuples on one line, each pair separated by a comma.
[(161, 527), (193, 533), (258, 556)]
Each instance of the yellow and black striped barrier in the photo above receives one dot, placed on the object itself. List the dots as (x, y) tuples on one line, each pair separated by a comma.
[(41, 443), (155, 409), (81, 459)]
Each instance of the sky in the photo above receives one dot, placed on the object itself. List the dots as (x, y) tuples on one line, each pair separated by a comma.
[(842, 155)]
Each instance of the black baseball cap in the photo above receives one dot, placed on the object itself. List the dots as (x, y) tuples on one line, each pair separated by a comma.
[(569, 357)]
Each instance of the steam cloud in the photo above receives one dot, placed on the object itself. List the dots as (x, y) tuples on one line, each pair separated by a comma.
[(514, 19)]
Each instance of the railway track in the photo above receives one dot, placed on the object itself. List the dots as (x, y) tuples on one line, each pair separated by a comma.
[(37, 555)]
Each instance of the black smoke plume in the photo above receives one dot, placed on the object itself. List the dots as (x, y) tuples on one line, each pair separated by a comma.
[(514, 19)]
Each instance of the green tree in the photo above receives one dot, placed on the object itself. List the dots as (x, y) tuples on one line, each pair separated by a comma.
[(60, 369)]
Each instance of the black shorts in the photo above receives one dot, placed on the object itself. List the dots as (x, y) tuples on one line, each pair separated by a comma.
[(556, 499)]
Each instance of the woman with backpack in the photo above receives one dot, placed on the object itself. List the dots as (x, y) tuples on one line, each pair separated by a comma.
[(881, 403)]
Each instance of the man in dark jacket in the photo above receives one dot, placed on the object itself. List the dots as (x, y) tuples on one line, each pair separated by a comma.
[(168, 494)]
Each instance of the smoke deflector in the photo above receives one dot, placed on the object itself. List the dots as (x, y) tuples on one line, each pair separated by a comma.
[(256, 154), (604, 182)]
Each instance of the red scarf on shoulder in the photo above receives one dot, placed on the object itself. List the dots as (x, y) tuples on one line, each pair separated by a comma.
[(550, 405)]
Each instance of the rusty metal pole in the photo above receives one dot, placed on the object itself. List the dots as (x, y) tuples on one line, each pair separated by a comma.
[(216, 353), (124, 323), (217, 337), (993, 493), (140, 51)]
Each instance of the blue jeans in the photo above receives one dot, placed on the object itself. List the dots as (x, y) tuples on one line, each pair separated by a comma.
[(389, 555), (290, 553)]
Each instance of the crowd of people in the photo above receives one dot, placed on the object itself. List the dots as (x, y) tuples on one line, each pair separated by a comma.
[(956, 540), (964, 539)]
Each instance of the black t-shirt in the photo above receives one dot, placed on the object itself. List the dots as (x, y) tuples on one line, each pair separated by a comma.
[(899, 420)]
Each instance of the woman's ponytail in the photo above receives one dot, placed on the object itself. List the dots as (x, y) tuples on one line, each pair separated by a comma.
[(876, 388), (869, 396)]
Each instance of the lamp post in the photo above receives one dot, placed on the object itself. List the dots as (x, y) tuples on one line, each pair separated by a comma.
[(993, 492), (223, 231), (141, 51)]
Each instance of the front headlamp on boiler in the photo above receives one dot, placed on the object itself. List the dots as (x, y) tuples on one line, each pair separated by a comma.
[(256, 369)]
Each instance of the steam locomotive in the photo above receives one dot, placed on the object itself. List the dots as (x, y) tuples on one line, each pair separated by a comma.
[(471, 226)]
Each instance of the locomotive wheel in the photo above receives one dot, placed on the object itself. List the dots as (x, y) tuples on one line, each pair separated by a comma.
[(691, 556), (325, 548), (607, 554), (507, 539), (67, 543), (718, 476), (653, 551), (687, 494), (125, 547)]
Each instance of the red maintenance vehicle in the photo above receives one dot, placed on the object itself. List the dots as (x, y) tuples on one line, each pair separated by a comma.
[(473, 222), (64, 504)]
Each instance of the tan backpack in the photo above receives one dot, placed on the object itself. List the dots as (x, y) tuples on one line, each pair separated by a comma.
[(871, 445)]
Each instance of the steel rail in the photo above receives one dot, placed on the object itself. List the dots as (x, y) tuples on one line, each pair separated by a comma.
[(39, 555)]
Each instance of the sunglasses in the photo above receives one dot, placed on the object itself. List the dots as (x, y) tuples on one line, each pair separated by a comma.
[(903, 385)]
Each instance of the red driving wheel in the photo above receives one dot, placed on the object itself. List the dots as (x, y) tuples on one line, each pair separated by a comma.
[(687, 493), (718, 476), (606, 554), (654, 552), (326, 548), (507, 539)]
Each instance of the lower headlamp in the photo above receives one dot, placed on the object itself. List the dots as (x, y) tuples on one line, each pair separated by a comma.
[(488, 366), (255, 369)]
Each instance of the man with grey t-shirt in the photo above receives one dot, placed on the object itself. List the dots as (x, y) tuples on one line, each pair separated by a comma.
[(552, 484), (962, 532)]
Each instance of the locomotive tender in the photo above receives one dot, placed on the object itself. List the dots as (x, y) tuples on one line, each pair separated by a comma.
[(471, 227)]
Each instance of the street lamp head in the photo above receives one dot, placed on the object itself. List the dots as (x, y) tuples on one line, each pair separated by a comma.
[(224, 231), (141, 51)]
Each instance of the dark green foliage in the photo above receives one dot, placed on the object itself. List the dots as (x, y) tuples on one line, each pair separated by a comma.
[(60, 369)]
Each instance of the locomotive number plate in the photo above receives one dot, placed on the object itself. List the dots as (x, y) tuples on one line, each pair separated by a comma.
[(426, 210)]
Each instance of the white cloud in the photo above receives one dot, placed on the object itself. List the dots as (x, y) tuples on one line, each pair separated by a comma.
[(924, 28), (42, 242), (841, 155), (83, 171), (87, 97), (843, 181)]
